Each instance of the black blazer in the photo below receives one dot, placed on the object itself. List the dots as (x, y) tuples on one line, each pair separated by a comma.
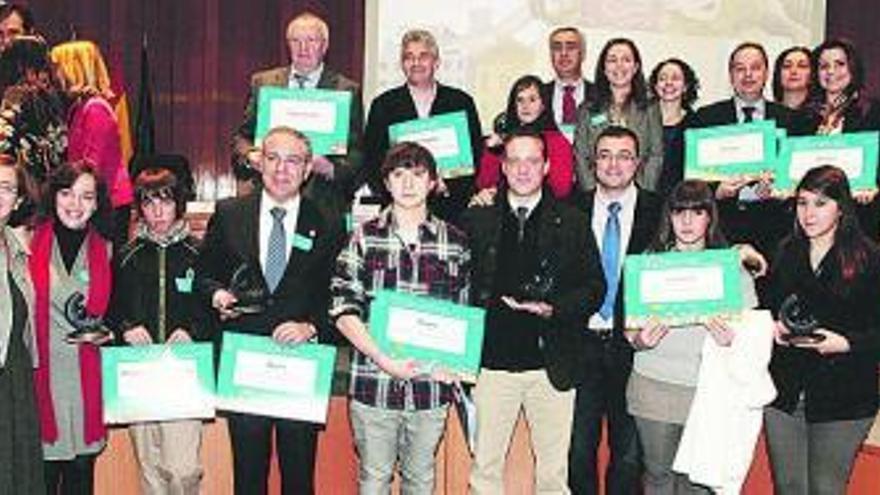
[(302, 294), (395, 106), (835, 387), (646, 219), (724, 112), (579, 288)]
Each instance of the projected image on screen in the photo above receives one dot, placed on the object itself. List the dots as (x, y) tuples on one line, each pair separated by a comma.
[(486, 44)]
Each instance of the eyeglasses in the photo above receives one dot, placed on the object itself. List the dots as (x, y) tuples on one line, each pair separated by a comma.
[(8, 190), (287, 160), (624, 158)]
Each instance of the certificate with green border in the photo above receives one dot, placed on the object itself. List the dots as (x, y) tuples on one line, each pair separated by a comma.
[(430, 331), (680, 288), (855, 153), (321, 114), (260, 376), (446, 136), (157, 382), (716, 153)]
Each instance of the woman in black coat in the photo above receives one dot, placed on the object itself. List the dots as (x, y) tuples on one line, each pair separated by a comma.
[(826, 284)]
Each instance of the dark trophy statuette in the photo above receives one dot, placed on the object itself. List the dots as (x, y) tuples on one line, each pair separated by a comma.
[(248, 287), (88, 329), (539, 286), (799, 321)]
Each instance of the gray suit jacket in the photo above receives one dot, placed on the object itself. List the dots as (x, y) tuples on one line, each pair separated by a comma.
[(344, 166), (647, 123)]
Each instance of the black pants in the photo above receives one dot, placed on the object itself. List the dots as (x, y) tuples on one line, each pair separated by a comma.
[(252, 447), (73, 477), (603, 394)]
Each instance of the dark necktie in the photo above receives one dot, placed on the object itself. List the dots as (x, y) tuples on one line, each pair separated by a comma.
[(610, 259), (569, 106), (748, 114), (522, 214), (276, 250), (300, 80)]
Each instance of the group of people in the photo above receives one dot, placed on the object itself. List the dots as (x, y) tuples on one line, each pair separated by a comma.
[(574, 176)]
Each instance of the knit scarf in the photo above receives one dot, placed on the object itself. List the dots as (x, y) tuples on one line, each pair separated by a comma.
[(97, 299)]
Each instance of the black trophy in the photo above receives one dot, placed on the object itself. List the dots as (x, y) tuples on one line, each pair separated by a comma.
[(541, 283), (248, 287), (88, 329), (799, 321)]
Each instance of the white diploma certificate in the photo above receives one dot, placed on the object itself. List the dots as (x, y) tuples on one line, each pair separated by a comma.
[(304, 115), (428, 331), (727, 149), (850, 160), (674, 285)]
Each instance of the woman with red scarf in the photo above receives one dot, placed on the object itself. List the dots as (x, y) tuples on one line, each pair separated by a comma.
[(70, 269)]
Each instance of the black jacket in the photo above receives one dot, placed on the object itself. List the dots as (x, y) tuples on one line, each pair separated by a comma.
[(139, 269), (835, 387), (302, 294), (565, 239)]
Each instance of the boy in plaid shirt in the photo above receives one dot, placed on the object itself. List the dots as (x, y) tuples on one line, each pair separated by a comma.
[(398, 410)]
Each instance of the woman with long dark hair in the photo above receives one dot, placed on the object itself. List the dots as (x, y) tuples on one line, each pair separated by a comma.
[(70, 269), (666, 365), (621, 99), (825, 283), (792, 76), (527, 110)]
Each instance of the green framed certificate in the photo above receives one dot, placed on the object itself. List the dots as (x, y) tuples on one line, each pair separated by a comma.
[(855, 153), (157, 382), (715, 153), (446, 135), (321, 114), (431, 331), (681, 287), (260, 376)]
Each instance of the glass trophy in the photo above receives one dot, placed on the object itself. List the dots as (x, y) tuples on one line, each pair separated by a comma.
[(799, 321)]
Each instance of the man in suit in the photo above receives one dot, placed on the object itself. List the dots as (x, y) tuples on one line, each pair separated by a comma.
[(279, 238), (537, 274), (307, 39), (421, 96), (748, 212), (569, 88), (623, 220)]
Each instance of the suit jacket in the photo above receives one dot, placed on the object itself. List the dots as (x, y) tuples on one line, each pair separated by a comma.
[(345, 167), (646, 219), (302, 295), (724, 113), (547, 94), (577, 292), (395, 106)]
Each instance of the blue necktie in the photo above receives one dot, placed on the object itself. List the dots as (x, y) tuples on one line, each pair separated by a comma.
[(610, 259), (276, 251)]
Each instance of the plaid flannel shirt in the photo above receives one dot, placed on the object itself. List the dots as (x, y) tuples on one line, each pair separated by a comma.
[(376, 258)]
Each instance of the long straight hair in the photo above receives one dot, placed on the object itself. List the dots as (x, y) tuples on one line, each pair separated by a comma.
[(852, 246), (688, 195), (638, 86)]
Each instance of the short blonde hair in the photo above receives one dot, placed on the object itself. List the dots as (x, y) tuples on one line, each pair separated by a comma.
[(82, 69), (308, 19), (419, 36)]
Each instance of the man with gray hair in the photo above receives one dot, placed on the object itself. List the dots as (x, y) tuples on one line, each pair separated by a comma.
[(569, 88), (420, 96), (308, 38)]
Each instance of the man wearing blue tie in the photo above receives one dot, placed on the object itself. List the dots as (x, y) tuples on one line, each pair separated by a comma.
[(623, 219), (273, 242)]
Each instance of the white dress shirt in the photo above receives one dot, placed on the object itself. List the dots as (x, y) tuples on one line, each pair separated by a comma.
[(557, 96), (626, 217), (423, 105), (760, 106), (266, 221), (310, 80)]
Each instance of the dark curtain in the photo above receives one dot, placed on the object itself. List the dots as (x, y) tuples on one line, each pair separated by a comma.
[(201, 55)]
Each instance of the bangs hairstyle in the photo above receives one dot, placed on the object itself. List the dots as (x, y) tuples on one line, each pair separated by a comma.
[(511, 117), (689, 195), (63, 177), (156, 183), (408, 155), (853, 248)]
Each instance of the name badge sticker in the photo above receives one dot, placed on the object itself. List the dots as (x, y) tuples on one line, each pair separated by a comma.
[(303, 243), (185, 284)]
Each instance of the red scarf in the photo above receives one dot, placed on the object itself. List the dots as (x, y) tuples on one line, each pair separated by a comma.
[(97, 299)]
